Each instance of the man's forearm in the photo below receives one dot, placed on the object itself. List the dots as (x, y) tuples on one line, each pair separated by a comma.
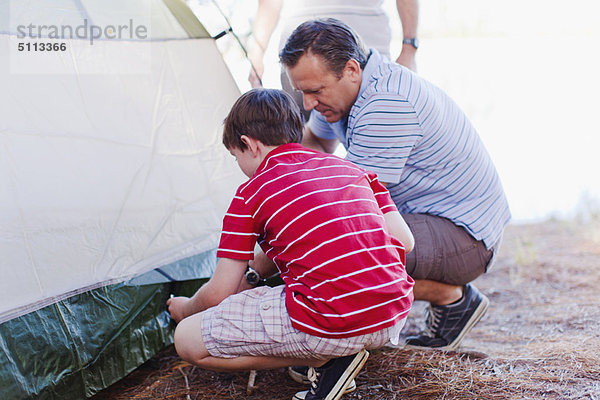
[(312, 141)]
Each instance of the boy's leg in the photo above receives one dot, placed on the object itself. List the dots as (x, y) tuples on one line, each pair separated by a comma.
[(191, 348), (331, 379)]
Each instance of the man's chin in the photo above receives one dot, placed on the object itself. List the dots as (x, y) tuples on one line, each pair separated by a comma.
[(330, 117)]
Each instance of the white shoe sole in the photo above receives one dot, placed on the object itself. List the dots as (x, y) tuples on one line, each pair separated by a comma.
[(475, 318), (301, 395), (345, 382)]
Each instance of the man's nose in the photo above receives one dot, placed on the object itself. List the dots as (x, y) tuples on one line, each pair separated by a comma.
[(310, 101)]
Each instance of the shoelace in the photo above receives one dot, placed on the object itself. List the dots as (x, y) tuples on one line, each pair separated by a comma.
[(313, 377), (434, 316)]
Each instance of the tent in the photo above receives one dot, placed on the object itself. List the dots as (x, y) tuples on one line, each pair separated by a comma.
[(113, 184)]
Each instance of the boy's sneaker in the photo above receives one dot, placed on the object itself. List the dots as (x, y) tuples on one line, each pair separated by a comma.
[(448, 325), (330, 381), (300, 375)]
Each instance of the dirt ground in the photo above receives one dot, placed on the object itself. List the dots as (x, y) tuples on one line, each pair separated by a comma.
[(540, 338)]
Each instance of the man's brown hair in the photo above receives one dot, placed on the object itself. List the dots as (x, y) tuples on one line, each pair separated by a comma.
[(332, 40), (268, 115)]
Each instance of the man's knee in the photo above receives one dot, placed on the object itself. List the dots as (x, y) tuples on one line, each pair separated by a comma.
[(188, 340)]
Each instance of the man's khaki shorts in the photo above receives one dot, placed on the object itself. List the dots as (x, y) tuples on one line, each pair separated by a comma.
[(445, 252)]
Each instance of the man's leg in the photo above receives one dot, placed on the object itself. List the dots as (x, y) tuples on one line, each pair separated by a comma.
[(445, 259), (436, 293), (444, 252)]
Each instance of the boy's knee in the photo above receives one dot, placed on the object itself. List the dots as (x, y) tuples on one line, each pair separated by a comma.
[(188, 340)]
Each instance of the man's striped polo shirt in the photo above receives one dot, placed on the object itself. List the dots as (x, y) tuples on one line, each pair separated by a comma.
[(417, 139)]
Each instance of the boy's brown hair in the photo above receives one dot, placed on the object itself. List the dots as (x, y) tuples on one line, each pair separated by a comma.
[(268, 115)]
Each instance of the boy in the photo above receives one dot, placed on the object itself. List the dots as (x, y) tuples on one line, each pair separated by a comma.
[(333, 233)]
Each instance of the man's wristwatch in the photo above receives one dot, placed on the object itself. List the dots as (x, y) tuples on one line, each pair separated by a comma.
[(253, 277), (414, 42)]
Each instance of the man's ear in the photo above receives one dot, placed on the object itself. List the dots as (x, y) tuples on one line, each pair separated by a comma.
[(251, 143), (352, 69)]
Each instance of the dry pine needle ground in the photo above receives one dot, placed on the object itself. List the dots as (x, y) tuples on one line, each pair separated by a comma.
[(539, 339)]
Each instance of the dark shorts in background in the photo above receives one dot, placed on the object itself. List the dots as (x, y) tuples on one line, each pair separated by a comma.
[(445, 252)]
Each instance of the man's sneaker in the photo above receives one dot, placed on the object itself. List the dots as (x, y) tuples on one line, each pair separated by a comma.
[(300, 375), (330, 381), (448, 325)]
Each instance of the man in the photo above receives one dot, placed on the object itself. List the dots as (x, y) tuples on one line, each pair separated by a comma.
[(423, 147)]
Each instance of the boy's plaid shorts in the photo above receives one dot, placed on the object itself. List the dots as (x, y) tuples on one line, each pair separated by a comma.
[(256, 323)]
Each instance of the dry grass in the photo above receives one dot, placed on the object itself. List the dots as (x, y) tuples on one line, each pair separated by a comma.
[(540, 338)]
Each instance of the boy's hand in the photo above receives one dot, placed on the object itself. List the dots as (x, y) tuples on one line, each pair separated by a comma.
[(179, 308)]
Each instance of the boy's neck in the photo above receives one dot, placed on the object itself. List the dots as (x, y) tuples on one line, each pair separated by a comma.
[(257, 152), (264, 151)]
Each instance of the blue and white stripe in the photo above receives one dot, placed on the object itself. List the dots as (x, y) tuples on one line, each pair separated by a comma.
[(417, 139)]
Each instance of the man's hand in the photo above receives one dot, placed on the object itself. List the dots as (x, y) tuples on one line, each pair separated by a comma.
[(179, 308)]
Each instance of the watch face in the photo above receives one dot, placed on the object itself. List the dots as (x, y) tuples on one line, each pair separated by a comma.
[(252, 277), (414, 42)]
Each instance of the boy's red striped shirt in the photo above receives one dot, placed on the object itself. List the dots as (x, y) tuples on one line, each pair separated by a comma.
[(320, 219)]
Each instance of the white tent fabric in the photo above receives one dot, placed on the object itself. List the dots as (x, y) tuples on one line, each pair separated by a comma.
[(111, 162)]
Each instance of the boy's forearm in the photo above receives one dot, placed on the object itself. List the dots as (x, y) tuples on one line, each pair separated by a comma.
[(182, 307), (203, 299), (222, 284), (261, 264)]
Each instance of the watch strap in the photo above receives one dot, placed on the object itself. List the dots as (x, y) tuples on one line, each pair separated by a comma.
[(414, 42)]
